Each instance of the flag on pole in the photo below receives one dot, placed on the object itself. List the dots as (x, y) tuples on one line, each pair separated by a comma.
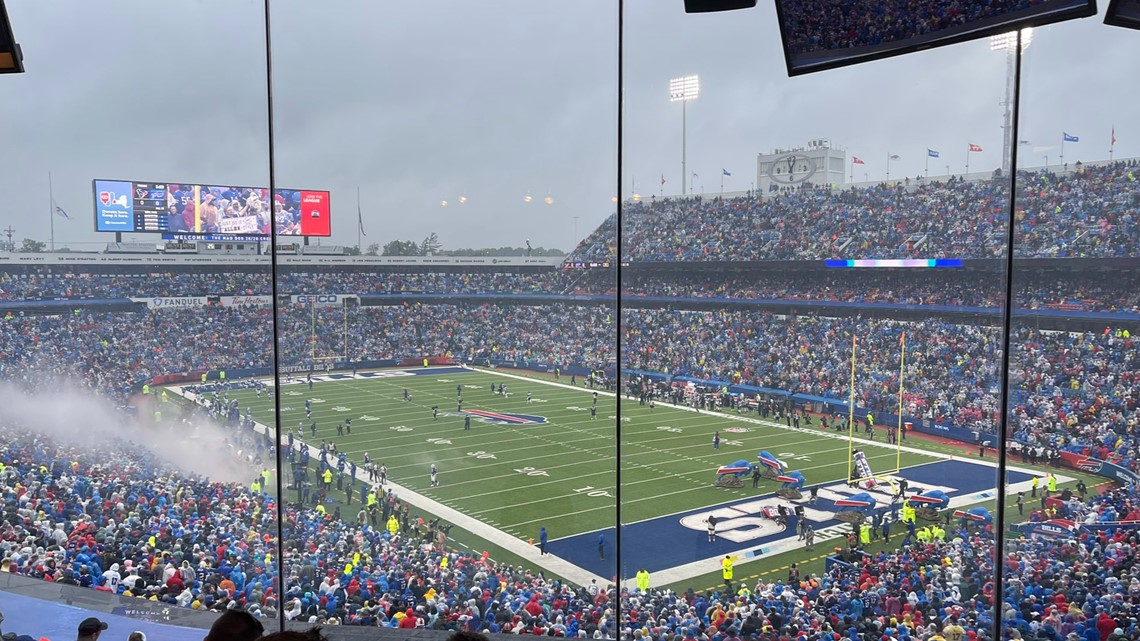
[(695, 174), (894, 156), (360, 219), (662, 179), (60, 212), (931, 153), (975, 148), (1068, 138), (725, 172), (1113, 136), (856, 160)]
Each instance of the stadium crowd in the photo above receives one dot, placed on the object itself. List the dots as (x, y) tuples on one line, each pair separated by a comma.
[(114, 350), (111, 516), (65, 282), (1083, 213), (1035, 290)]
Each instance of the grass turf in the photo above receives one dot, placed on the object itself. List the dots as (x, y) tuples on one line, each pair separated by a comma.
[(559, 473)]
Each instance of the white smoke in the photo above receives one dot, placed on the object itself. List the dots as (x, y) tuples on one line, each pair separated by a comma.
[(72, 416)]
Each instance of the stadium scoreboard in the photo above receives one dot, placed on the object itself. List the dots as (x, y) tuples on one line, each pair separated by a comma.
[(184, 209)]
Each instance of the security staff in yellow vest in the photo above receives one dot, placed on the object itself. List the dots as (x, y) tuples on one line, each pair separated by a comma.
[(726, 572), (146, 389), (643, 580), (327, 478)]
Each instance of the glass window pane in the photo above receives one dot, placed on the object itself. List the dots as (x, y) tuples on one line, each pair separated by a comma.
[(126, 481), (812, 294), (1070, 408), (438, 338)]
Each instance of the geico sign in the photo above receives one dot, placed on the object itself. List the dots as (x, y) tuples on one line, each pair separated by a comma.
[(317, 299)]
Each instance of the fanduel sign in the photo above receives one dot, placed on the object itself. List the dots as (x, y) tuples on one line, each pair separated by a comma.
[(173, 302)]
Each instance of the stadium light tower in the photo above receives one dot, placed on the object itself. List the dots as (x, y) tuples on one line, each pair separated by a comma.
[(1007, 42), (683, 90)]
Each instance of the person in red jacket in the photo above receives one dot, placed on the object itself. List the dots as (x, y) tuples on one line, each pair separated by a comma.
[(1105, 625), (409, 621)]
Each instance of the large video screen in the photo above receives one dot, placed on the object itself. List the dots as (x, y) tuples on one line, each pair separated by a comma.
[(183, 208), (824, 34), (1124, 13)]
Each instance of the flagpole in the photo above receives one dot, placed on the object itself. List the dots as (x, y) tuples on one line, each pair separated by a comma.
[(359, 223), (1062, 150), (888, 166), (967, 161), (51, 211), (927, 170), (852, 170), (1112, 145), (899, 431)]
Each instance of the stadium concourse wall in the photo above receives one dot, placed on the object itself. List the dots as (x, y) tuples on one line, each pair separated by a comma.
[(824, 404), (44, 609)]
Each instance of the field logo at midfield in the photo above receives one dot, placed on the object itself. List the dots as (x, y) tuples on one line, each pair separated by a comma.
[(503, 418)]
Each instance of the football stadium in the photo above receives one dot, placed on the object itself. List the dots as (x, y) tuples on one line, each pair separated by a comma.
[(848, 392)]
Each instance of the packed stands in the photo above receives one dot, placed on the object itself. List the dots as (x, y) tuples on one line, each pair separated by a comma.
[(1083, 213)]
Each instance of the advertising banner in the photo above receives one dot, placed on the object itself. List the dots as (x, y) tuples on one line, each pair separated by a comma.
[(1099, 467), (246, 301), (321, 300), (173, 302)]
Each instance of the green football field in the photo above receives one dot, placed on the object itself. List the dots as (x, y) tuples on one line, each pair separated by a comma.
[(552, 464), (559, 473)]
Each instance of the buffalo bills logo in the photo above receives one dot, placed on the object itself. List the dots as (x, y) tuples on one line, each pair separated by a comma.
[(503, 418)]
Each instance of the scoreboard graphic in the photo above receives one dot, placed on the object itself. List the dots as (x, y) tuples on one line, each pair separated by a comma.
[(183, 208)]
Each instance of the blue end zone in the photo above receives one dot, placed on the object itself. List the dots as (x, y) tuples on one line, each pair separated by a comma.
[(664, 543)]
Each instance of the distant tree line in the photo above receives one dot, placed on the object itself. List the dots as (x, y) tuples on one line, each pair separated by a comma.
[(432, 246)]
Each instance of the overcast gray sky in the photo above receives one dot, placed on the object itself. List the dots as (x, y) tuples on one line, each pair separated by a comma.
[(420, 102)]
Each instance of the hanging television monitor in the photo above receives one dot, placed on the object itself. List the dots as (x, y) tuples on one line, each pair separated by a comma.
[(1123, 13), (825, 34), (11, 59)]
